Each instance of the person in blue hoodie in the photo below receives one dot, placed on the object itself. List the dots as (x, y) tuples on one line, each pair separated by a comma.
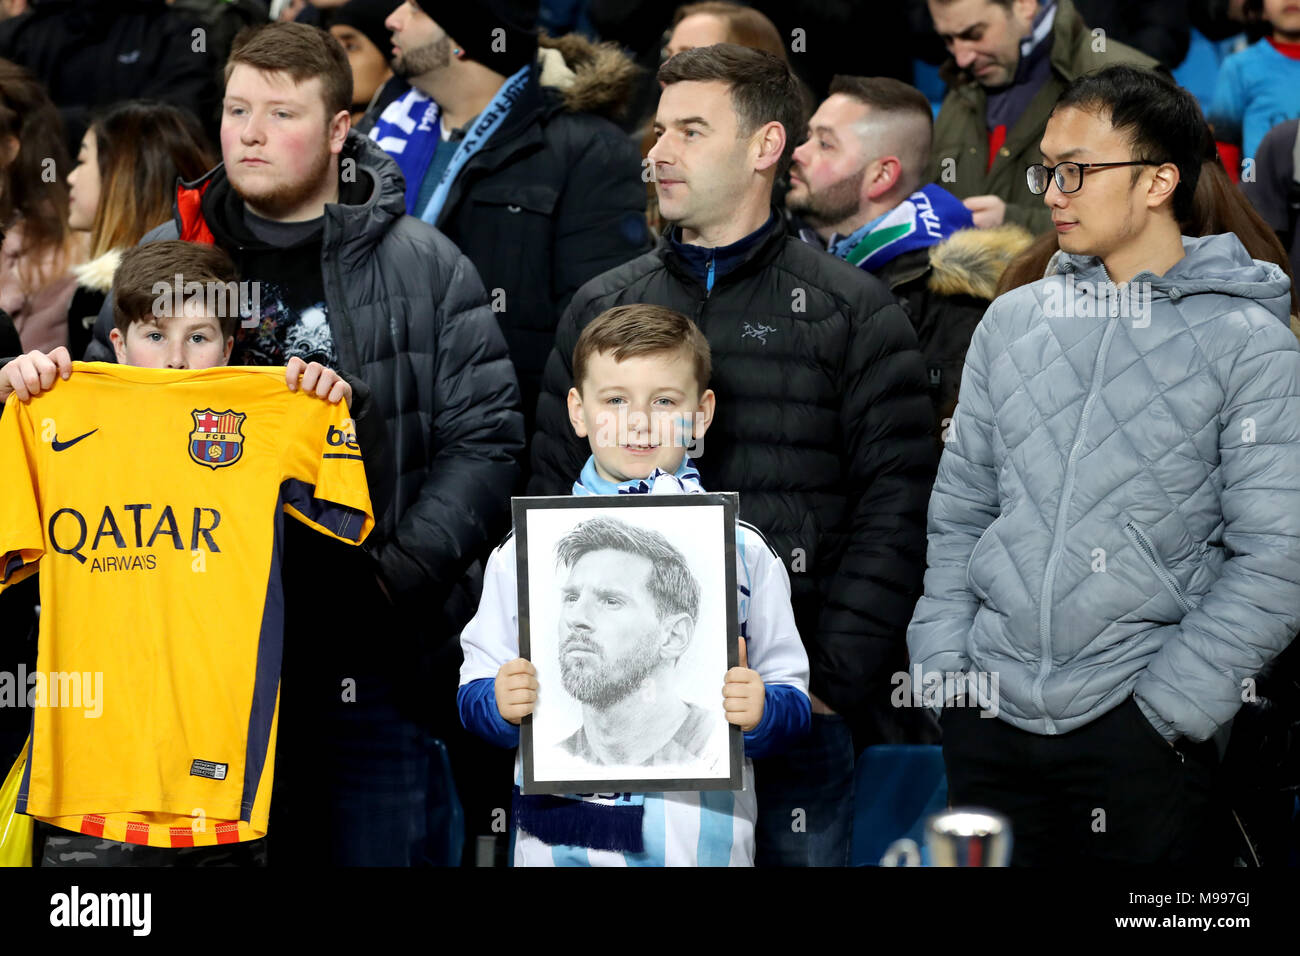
[(640, 396), (1258, 87), (856, 191), (1114, 533)]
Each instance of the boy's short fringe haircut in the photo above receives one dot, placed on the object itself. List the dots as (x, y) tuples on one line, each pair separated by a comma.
[(144, 267), (629, 331)]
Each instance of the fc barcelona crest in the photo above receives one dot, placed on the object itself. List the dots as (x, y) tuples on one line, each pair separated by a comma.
[(216, 440)]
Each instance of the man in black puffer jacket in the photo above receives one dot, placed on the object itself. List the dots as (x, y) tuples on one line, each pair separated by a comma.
[(314, 215), (507, 146), (823, 417)]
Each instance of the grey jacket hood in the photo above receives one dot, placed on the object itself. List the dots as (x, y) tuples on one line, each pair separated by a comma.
[(1212, 265)]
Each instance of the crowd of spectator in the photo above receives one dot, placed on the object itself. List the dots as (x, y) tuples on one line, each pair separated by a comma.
[(437, 201)]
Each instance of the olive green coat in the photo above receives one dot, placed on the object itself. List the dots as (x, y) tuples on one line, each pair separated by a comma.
[(959, 155)]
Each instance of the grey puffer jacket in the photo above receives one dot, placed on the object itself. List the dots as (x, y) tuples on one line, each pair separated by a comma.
[(410, 319), (1118, 508)]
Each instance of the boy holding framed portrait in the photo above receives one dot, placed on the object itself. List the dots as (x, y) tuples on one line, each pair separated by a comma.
[(620, 610)]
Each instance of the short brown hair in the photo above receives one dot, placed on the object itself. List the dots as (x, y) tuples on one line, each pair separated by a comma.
[(144, 267), (745, 25), (909, 128), (303, 52), (629, 331), (762, 87), (883, 93)]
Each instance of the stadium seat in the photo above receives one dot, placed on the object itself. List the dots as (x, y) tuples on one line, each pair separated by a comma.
[(898, 787), (926, 79), (446, 826)]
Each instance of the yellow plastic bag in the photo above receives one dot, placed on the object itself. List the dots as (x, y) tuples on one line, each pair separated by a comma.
[(15, 828)]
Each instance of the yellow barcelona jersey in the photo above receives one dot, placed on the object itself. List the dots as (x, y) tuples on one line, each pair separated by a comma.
[(151, 501)]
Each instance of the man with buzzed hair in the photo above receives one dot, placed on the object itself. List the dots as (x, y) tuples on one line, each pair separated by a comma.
[(856, 190), (628, 609)]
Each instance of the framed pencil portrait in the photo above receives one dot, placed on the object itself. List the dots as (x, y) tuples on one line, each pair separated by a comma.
[(627, 609)]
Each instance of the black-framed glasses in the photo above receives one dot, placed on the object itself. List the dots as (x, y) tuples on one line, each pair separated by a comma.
[(1068, 176)]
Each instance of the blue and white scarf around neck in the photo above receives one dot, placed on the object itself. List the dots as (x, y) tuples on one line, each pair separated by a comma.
[(409, 130), (686, 480)]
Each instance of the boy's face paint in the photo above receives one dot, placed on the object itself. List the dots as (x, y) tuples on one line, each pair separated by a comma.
[(641, 413)]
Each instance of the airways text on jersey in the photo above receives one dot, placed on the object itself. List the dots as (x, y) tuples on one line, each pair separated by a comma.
[(70, 533)]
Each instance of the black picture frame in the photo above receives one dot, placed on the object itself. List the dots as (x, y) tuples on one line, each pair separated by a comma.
[(699, 553)]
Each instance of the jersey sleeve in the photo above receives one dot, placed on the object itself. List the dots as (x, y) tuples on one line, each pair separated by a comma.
[(772, 643), (324, 476), (492, 636), (489, 640), (774, 649), (21, 540)]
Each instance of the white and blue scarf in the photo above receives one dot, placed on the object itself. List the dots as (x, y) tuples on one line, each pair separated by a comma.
[(409, 130), (600, 821), (686, 480)]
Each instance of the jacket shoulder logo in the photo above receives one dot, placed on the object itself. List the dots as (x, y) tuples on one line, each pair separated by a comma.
[(216, 440), (60, 445), (758, 331)]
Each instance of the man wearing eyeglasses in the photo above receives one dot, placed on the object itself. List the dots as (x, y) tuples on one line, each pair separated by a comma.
[(1009, 61), (1114, 533)]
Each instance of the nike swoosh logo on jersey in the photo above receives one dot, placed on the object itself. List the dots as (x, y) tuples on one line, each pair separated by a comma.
[(60, 445)]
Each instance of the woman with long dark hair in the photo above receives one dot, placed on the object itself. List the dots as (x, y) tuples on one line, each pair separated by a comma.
[(38, 248), (124, 184)]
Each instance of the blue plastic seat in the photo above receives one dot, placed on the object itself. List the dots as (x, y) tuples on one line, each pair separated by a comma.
[(898, 788), (446, 818), (926, 79)]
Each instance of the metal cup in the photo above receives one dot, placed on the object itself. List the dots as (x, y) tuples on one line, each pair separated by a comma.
[(968, 836)]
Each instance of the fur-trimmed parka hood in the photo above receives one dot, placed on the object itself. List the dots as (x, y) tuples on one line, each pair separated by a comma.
[(971, 261), (592, 77), (97, 274)]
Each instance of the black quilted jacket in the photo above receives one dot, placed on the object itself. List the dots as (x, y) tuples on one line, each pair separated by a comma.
[(552, 200), (822, 426)]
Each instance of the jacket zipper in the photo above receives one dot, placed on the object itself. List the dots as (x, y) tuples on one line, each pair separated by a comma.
[(1058, 533), (971, 560), (1148, 552)]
